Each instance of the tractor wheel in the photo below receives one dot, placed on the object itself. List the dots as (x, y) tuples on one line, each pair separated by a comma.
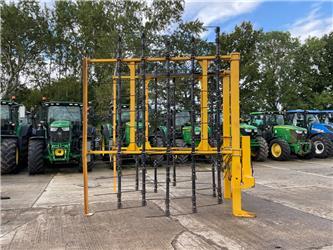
[(261, 153), (24, 152), (35, 157), (309, 155), (279, 150), (181, 158), (157, 141), (9, 156), (323, 146)]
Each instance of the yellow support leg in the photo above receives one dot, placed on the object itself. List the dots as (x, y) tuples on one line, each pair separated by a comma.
[(236, 171), (247, 178), (85, 135), (226, 134), (132, 145)]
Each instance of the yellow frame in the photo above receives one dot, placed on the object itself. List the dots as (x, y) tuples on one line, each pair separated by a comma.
[(237, 175)]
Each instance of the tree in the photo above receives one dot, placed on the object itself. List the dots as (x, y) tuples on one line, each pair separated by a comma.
[(245, 39), (24, 30), (314, 73)]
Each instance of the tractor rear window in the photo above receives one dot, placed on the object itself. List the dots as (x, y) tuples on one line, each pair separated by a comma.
[(182, 118), (67, 113), (5, 112)]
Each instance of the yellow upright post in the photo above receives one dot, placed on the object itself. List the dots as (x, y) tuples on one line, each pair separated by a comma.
[(226, 131), (247, 178), (236, 171), (204, 145), (132, 145), (85, 134)]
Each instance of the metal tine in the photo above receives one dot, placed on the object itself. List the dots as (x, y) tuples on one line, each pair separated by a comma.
[(118, 99), (194, 205), (143, 152), (173, 129), (218, 115), (137, 162), (155, 129), (211, 123), (167, 191)]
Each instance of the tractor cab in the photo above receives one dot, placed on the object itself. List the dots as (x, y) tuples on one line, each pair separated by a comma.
[(312, 120), (326, 116), (15, 133), (59, 120), (275, 122), (9, 117)]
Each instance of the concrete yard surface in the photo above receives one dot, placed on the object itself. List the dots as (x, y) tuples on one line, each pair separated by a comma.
[(293, 202)]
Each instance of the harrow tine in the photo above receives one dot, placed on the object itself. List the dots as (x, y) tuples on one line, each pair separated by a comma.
[(119, 89), (218, 115), (194, 205)]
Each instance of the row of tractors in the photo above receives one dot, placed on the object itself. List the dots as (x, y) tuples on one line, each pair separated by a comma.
[(277, 135), (52, 135)]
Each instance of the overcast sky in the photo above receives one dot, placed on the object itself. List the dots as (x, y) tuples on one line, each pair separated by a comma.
[(301, 18)]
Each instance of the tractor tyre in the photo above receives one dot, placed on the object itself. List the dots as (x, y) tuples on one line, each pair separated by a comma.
[(157, 141), (309, 155), (279, 150), (24, 152), (9, 156), (331, 146), (35, 157), (182, 159), (261, 153), (323, 146)]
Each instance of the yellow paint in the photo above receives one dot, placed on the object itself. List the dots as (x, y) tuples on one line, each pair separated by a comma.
[(85, 133), (247, 178), (236, 171), (103, 145), (226, 132), (204, 145), (276, 150), (236, 155), (59, 152), (158, 59), (132, 145)]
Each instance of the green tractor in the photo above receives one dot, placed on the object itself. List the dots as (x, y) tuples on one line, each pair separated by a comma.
[(183, 136), (259, 146), (181, 124), (107, 131), (15, 133), (57, 137), (107, 136), (284, 140)]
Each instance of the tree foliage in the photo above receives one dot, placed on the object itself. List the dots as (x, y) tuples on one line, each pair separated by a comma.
[(42, 50)]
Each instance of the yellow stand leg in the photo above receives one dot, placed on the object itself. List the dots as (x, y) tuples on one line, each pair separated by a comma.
[(236, 166)]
